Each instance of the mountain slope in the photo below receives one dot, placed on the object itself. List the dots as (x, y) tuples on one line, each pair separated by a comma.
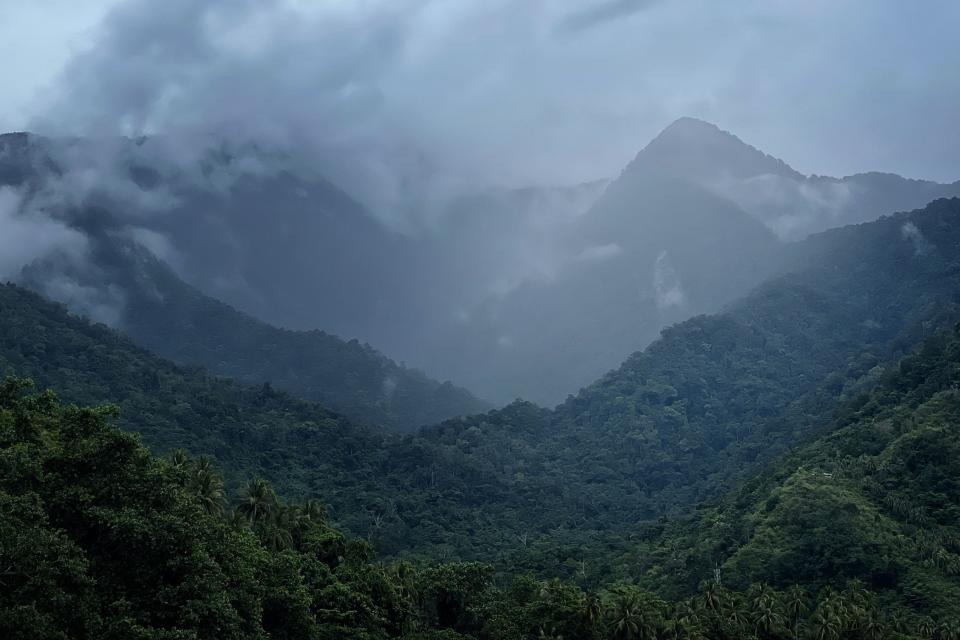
[(718, 396), (495, 290), (711, 401), (695, 221), (875, 498), (100, 540), (112, 277), (648, 253), (163, 313)]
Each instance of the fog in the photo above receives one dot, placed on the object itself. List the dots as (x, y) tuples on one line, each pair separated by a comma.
[(459, 183)]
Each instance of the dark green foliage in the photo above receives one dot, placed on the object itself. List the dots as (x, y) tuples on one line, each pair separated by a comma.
[(349, 377), (100, 540), (710, 402), (683, 421), (876, 499), (166, 315), (804, 373)]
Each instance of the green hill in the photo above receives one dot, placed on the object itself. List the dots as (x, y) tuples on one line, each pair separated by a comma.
[(100, 540), (875, 499), (711, 402), (175, 320)]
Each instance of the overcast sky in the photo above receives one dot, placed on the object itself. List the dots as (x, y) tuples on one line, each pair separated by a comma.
[(538, 91)]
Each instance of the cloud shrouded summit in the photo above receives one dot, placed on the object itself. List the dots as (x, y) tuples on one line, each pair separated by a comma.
[(383, 95)]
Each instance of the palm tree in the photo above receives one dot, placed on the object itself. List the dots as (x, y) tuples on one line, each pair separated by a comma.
[(259, 500), (685, 628), (826, 625), (592, 610), (276, 529), (738, 616), (238, 519), (404, 578), (715, 598), (631, 620), (625, 622), (206, 485), (949, 630), (178, 458), (766, 619), (897, 622), (796, 607), (550, 634), (925, 628), (872, 628), (314, 511)]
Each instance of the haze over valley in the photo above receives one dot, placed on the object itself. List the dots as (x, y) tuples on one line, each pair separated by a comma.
[(433, 321)]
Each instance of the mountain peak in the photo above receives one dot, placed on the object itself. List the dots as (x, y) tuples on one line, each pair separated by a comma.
[(695, 149), (686, 125)]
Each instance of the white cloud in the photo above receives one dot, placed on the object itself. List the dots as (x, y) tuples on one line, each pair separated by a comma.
[(27, 234), (668, 292), (508, 92)]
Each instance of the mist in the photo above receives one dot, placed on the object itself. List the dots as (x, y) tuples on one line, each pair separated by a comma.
[(417, 173), (382, 94)]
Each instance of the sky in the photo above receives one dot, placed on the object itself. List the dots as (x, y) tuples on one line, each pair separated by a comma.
[(498, 91)]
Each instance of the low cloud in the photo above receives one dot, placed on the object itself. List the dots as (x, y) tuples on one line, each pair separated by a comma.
[(911, 233), (599, 253), (404, 101), (792, 208), (27, 234), (600, 13), (668, 292)]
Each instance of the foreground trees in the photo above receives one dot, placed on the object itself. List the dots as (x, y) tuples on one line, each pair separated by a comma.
[(98, 539)]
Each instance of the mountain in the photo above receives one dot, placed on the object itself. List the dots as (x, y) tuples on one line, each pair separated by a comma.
[(117, 279), (711, 402), (807, 373), (866, 493), (101, 540), (650, 251), (493, 288), (175, 320), (874, 498), (714, 399), (695, 221)]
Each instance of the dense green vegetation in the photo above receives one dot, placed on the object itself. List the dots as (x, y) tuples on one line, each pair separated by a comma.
[(859, 507), (876, 498), (712, 400), (166, 315), (524, 487), (98, 539)]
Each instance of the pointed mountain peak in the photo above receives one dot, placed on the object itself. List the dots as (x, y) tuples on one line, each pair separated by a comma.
[(687, 125), (695, 149)]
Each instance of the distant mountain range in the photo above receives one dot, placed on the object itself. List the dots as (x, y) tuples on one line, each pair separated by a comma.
[(816, 371), (695, 221), (526, 293)]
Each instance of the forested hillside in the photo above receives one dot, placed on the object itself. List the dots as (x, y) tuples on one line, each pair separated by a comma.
[(714, 399), (161, 312), (101, 540), (875, 498)]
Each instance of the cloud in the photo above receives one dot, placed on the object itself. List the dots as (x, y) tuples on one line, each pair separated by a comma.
[(402, 101), (599, 253), (791, 208), (599, 13), (668, 292), (101, 303), (42, 251), (910, 232), (27, 234)]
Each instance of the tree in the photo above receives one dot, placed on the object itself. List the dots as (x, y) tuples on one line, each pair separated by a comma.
[(633, 615), (796, 607), (259, 500)]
